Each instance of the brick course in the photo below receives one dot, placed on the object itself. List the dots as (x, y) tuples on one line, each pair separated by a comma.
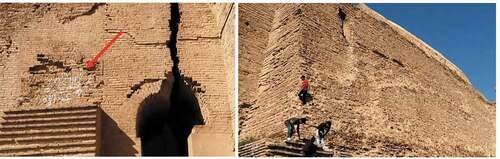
[(72, 33), (386, 92)]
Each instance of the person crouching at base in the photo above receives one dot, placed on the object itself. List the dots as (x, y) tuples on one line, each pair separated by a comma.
[(291, 124)]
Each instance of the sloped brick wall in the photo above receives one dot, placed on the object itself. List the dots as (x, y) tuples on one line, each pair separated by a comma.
[(386, 92)]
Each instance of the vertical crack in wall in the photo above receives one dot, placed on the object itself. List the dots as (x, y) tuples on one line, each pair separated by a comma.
[(172, 44), (166, 118), (352, 71)]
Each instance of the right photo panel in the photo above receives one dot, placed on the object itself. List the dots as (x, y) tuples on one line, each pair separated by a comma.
[(348, 80)]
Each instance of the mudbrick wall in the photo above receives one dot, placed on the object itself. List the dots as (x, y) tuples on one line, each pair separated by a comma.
[(386, 92), (43, 48)]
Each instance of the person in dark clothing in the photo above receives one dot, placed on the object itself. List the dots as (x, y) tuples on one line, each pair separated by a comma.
[(310, 148), (342, 17), (290, 123), (321, 131), (303, 89)]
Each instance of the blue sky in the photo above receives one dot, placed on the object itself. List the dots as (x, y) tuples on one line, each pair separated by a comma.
[(463, 33)]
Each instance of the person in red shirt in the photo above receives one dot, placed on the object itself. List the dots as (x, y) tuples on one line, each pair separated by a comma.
[(303, 90)]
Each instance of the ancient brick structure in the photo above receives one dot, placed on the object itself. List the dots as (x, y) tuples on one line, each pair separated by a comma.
[(268, 147), (44, 47), (386, 92)]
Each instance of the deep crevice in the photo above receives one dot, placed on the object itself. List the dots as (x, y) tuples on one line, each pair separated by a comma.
[(165, 119), (172, 44)]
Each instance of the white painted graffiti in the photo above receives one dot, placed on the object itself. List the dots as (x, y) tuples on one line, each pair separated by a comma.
[(62, 89)]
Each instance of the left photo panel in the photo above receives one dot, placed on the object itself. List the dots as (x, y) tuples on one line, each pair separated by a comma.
[(110, 79)]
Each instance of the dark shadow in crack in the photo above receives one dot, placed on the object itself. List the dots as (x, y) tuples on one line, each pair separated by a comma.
[(165, 119)]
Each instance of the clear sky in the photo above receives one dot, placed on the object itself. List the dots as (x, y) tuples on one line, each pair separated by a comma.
[(463, 33)]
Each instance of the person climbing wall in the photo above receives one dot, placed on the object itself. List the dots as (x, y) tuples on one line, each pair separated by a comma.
[(303, 89)]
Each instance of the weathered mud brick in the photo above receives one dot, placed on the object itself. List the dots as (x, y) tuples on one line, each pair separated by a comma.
[(43, 50), (386, 91)]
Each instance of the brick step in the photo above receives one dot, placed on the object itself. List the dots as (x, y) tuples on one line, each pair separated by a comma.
[(253, 152), (90, 153), (47, 139), (30, 110), (69, 151), (296, 144), (262, 153), (52, 120), (284, 153), (42, 133), (48, 125), (50, 114), (298, 149), (251, 148), (44, 147), (338, 151)]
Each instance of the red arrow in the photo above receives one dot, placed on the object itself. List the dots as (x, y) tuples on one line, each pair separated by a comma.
[(91, 63)]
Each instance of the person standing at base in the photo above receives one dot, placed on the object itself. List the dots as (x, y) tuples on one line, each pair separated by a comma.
[(291, 124), (321, 131), (309, 149), (303, 90)]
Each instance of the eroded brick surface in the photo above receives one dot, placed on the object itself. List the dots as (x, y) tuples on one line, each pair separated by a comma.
[(386, 92), (43, 48)]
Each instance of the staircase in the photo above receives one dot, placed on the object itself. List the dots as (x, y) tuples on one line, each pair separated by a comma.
[(253, 149), (267, 148), (60, 131)]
